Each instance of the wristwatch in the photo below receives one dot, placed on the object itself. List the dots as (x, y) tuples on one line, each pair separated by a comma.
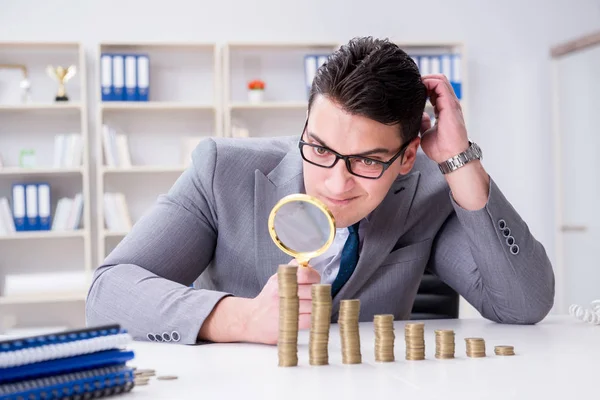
[(460, 160)]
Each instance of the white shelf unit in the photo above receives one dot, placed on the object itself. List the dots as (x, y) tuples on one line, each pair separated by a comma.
[(442, 48), (184, 102), (34, 125), (281, 67)]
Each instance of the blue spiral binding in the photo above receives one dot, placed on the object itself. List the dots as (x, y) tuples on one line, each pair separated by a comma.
[(92, 383), (65, 365), (59, 337)]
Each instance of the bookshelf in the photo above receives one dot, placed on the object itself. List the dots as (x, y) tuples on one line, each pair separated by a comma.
[(281, 66), (34, 124), (183, 105)]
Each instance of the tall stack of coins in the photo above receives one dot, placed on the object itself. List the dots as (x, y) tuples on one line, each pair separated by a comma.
[(384, 337), (289, 303), (414, 335), (475, 347), (444, 344), (320, 321), (504, 350), (348, 323)]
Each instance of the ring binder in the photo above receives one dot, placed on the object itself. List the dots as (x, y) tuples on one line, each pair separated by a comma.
[(94, 383), (73, 364)]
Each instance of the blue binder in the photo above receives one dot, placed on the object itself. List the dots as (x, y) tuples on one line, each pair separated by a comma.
[(143, 77), (456, 80), (106, 77), (19, 207), (118, 77), (44, 206), (91, 383), (131, 86)]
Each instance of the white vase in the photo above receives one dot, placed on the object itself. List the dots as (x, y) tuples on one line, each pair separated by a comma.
[(255, 96)]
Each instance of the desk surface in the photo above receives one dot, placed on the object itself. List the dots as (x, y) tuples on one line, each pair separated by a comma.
[(554, 359)]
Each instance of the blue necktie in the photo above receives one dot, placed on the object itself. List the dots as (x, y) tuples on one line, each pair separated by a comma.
[(348, 261)]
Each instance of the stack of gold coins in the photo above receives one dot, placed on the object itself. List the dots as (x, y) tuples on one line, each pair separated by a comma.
[(414, 334), (289, 303), (384, 337), (475, 347), (504, 350), (348, 323), (444, 343), (320, 320)]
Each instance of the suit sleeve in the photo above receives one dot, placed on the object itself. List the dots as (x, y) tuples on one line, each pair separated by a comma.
[(144, 283), (490, 257)]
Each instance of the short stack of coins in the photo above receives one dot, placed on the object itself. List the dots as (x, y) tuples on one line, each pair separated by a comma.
[(289, 303), (504, 350), (475, 347), (349, 334), (414, 334), (319, 324), (384, 337), (142, 376), (444, 344)]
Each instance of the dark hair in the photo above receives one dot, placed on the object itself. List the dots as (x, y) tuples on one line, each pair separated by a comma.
[(376, 79)]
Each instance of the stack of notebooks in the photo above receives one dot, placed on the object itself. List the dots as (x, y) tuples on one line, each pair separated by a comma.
[(74, 364)]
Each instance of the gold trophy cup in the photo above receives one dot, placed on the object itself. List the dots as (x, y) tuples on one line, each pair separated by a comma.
[(61, 75)]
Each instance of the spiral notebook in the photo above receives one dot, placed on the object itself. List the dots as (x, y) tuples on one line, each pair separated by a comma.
[(78, 362), (93, 383)]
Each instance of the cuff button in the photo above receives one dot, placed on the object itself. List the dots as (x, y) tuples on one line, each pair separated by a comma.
[(514, 249), (502, 224)]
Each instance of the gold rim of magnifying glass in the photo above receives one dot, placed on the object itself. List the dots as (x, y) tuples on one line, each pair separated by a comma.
[(302, 257)]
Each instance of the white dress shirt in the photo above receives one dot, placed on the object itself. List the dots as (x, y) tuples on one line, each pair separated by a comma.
[(328, 263)]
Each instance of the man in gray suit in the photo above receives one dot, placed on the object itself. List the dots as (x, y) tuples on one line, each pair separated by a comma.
[(405, 195)]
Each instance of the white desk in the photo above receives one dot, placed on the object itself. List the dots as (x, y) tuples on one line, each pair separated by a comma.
[(556, 359)]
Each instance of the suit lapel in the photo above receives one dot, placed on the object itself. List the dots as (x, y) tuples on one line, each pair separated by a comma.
[(386, 225), (285, 179)]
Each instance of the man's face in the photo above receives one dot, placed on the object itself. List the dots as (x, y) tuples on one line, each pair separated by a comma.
[(350, 198)]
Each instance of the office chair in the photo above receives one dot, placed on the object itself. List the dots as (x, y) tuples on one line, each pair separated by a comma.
[(434, 300)]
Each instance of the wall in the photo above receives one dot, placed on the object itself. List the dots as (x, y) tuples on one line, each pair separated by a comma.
[(507, 43)]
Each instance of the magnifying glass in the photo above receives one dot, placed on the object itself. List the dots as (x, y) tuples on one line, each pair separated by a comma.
[(302, 226)]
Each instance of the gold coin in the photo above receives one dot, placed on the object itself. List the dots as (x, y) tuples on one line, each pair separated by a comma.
[(289, 303), (166, 377)]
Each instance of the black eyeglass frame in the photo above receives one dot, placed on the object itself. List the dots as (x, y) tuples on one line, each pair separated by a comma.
[(346, 158)]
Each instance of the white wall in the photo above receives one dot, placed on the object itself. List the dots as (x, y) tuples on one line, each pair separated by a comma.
[(507, 42)]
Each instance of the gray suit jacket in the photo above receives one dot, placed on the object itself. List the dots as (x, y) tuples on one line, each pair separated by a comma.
[(211, 227)]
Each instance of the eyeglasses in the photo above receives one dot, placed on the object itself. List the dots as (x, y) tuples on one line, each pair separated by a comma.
[(363, 167)]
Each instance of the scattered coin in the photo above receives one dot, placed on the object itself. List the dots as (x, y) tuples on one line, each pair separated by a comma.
[(504, 350), (444, 344), (414, 335), (140, 383), (289, 303), (349, 333), (475, 347), (319, 325), (166, 377), (384, 337)]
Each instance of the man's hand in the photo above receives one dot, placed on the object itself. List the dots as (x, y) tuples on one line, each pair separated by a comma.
[(448, 137), (263, 322)]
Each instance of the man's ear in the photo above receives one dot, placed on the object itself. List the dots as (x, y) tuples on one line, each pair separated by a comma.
[(410, 156)]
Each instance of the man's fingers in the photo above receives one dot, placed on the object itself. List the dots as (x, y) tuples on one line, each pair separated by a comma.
[(305, 307), (304, 321), (308, 275), (425, 123)]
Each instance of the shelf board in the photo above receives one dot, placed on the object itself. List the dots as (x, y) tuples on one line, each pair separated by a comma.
[(44, 235), (18, 171), (41, 106), (267, 105), (43, 298), (144, 169), (154, 105), (283, 45), (108, 234)]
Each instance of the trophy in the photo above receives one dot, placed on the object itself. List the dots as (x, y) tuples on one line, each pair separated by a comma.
[(62, 76)]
